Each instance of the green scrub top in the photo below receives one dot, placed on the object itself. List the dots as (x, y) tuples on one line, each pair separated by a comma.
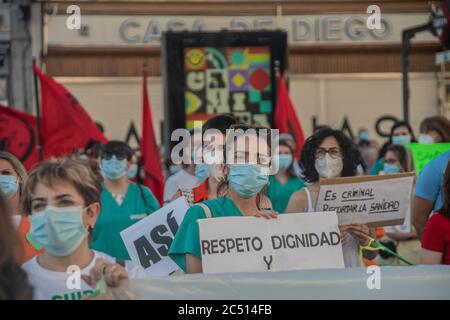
[(187, 238), (114, 218), (377, 167), (280, 194)]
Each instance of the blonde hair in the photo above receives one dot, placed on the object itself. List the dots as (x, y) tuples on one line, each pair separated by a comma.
[(84, 175), (17, 166)]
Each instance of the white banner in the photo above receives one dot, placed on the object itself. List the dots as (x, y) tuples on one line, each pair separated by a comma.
[(375, 200), (148, 241), (289, 242)]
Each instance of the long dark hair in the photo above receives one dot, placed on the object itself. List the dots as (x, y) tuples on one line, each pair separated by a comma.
[(351, 156), (445, 210), (13, 280), (396, 125), (399, 124)]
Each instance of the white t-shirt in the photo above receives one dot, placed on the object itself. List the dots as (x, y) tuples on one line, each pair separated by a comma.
[(179, 181), (54, 285), (350, 249)]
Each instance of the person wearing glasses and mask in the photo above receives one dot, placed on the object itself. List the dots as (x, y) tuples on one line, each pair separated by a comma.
[(328, 153), (123, 202), (245, 176)]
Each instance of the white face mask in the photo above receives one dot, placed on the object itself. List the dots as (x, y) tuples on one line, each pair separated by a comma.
[(327, 167), (425, 138)]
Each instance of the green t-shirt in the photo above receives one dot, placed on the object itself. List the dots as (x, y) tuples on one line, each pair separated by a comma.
[(187, 239), (114, 218), (280, 194)]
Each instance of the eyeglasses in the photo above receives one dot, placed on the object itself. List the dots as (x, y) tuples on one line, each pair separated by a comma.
[(333, 152), (119, 156)]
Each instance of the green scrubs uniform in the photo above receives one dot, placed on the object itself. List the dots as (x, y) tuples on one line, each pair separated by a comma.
[(279, 194), (187, 239), (114, 218)]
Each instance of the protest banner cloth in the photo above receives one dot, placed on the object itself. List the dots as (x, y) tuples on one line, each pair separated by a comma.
[(148, 241), (374, 200), (424, 153), (289, 242)]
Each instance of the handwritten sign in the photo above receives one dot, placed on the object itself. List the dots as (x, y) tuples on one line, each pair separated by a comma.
[(374, 200), (148, 241), (424, 153), (290, 242)]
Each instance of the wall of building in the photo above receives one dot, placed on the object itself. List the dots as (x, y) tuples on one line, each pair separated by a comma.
[(330, 98)]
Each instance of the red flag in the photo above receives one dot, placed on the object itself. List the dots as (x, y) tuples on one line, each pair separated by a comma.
[(286, 120), (18, 135), (65, 124), (151, 160)]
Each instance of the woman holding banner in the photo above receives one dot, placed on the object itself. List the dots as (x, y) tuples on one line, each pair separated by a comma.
[(328, 153), (246, 173), (62, 199), (12, 177)]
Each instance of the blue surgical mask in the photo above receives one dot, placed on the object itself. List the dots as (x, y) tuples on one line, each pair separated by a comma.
[(401, 140), (132, 171), (201, 171), (389, 168), (247, 180), (364, 136), (284, 161), (60, 231), (114, 169), (8, 185)]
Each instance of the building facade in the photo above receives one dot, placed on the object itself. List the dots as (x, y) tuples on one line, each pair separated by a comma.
[(340, 72)]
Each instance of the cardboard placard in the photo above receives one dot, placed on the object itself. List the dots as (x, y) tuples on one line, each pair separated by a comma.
[(289, 242), (373, 200), (148, 241)]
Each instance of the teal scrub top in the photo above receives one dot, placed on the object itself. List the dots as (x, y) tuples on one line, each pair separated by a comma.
[(114, 218), (280, 194), (187, 238), (377, 167)]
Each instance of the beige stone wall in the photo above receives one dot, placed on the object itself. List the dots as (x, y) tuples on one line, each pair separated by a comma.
[(361, 97)]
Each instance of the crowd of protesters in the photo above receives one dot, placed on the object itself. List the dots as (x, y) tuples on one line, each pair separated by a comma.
[(70, 211)]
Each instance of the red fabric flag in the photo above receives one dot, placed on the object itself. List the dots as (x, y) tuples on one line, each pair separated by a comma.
[(18, 135), (151, 160), (65, 124), (286, 120)]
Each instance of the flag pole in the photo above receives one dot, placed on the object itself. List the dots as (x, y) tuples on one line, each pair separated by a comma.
[(38, 116)]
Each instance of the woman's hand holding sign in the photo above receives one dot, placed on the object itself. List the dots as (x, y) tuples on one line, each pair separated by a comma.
[(360, 232), (112, 273)]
